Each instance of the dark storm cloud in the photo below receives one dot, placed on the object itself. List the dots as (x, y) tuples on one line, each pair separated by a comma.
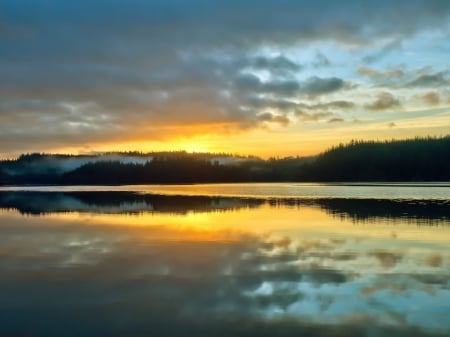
[(123, 66)]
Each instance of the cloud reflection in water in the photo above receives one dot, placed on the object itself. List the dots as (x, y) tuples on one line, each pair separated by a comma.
[(254, 268)]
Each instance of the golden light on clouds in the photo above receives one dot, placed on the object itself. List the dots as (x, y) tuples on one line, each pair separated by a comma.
[(276, 140), (257, 89)]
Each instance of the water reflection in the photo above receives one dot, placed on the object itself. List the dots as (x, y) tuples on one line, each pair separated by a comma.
[(27, 202), (117, 202), (139, 265)]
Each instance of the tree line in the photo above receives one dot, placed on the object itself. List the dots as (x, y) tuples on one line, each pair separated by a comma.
[(419, 159)]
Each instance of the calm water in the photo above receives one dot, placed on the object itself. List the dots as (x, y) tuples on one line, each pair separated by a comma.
[(225, 260)]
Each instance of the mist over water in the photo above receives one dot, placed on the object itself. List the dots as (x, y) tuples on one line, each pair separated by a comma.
[(130, 262)]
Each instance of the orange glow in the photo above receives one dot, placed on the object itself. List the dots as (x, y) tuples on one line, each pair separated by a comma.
[(274, 141), (305, 223)]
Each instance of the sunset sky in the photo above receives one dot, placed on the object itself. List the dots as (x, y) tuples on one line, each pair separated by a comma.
[(266, 77)]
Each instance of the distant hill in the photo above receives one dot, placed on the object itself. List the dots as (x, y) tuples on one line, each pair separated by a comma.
[(419, 159)]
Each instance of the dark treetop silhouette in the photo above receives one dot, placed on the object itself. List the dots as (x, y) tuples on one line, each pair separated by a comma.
[(419, 159)]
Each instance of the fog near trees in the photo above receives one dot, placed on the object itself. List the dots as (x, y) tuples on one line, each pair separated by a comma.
[(419, 159)]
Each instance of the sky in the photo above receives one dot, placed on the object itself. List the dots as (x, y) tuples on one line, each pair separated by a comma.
[(268, 77)]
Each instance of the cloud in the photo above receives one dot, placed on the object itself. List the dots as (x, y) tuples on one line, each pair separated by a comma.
[(431, 98), (313, 86), (344, 105), (367, 71), (392, 125), (304, 112), (335, 120), (430, 80), (95, 71), (320, 110), (279, 65), (381, 52), (327, 106), (319, 86), (252, 84), (386, 259), (388, 74), (321, 61), (279, 119), (290, 105), (233, 22), (434, 260), (393, 287), (384, 101), (312, 116)]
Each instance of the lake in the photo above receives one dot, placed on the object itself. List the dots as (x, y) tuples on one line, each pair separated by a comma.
[(225, 260)]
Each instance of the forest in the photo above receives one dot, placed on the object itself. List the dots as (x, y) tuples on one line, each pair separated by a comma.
[(418, 159)]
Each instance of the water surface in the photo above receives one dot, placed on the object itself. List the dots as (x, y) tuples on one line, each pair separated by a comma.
[(439, 190), (129, 262)]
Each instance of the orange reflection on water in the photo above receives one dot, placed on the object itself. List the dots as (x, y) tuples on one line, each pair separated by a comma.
[(279, 220), (271, 262)]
